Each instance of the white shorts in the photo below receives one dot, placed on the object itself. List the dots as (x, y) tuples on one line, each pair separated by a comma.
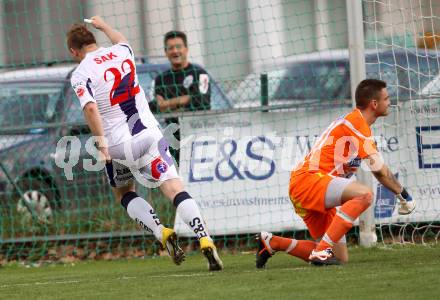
[(334, 191), (145, 157)]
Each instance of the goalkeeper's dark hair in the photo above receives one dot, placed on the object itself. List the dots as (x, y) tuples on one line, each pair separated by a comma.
[(172, 35), (79, 36), (368, 90)]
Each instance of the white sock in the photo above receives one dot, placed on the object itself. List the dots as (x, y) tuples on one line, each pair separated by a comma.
[(190, 214), (143, 213)]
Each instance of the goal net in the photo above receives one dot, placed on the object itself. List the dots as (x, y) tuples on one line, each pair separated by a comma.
[(279, 74)]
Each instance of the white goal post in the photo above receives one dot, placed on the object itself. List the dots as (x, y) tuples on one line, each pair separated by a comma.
[(367, 227)]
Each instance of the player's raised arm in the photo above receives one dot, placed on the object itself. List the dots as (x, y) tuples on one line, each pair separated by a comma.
[(384, 175), (114, 35)]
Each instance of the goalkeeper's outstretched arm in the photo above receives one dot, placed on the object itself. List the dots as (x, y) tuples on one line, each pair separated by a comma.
[(383, 174), (114, 35)]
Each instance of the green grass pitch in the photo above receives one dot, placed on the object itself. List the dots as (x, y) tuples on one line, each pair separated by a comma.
[(398, 272)]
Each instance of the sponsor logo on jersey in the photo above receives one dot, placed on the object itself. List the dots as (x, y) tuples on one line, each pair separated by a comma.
[(80, 91), (77, 84), (203, 83), (188, 81), (355, 162)]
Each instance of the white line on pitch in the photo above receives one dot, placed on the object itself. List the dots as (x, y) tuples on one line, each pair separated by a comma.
[(3, 286), (182, 275)]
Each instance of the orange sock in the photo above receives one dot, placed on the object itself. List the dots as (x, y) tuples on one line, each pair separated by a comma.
[(343, 220), (278, 243), (334, 233), (303, 249)]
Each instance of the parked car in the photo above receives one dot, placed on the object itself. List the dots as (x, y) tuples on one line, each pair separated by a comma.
[(37, 108), (324, 77)]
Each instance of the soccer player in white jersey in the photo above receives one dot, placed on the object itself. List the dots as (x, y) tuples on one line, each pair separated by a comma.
[(117, 113)]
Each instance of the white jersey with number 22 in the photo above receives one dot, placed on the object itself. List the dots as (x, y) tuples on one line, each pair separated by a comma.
[(108, 77)]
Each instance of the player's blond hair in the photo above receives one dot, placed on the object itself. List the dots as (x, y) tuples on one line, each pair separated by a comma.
[(79, 36)]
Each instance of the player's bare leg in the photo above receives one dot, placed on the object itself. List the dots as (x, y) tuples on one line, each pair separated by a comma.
[(341, 252), (188, 210), (143, 214)]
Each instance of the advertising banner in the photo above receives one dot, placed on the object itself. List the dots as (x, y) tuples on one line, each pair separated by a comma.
[(237, 166)]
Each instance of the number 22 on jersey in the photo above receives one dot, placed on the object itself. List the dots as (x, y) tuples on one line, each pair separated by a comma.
[(123, 89)]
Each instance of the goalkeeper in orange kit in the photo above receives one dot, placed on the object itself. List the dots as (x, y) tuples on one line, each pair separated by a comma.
[(322, 190)]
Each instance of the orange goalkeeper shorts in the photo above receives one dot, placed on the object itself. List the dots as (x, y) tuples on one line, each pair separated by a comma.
[(307, 192)]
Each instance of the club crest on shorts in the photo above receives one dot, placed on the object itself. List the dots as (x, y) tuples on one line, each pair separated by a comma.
[(158, 167)]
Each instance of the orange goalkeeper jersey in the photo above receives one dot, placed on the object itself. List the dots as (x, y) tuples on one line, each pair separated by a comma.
[(341, 147)]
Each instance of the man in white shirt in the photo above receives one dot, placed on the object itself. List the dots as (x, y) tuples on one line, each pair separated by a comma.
[(128, 136)]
